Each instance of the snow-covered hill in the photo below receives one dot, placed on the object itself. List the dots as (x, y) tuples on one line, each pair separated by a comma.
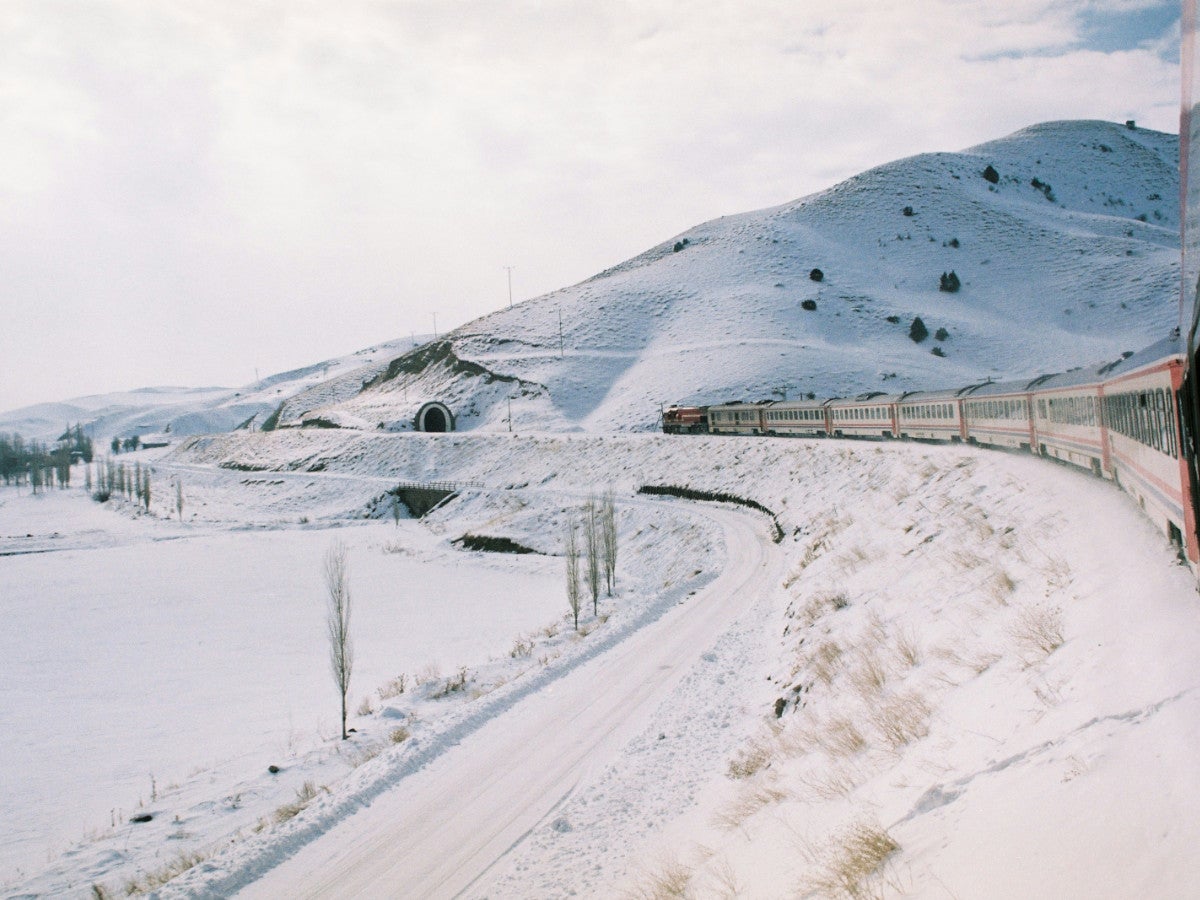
[(1069, 256), (184, 411), (1064, 237)]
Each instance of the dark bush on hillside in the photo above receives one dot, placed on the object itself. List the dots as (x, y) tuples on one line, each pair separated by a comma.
[(941, 334), (949, 282), (953, 242), (490, 544), (908, 210), (816, 275), (810, 305), (917, 331), (991, 175), (938, 351), (686, 493), (679, 245), (895, 320)]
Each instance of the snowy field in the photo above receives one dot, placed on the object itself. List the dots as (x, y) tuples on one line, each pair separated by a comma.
[(961, 673), (185, 653)]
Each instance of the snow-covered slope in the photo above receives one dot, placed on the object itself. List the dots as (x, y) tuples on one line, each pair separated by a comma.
[(1067, 254), (187, 411), (1069, 257)]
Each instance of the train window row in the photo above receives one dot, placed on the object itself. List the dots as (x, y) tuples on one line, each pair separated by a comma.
[(997, 409), (796, 415), (870, 412), (928, 411), (1079, 410), (1146, 416)]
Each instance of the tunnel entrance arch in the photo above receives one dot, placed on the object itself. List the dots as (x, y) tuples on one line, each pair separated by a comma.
[(434, 417)]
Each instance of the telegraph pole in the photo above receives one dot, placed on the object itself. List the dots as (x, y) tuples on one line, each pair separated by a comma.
[(435, 326), (560, 346), (509, 270)]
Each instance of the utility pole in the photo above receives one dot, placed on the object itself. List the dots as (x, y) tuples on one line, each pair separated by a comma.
[(510, 415), (560, 346), (435, 326), (509, 269)]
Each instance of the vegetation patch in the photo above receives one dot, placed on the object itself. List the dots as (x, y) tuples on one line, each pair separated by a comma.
[(686, 493), (490, 544)]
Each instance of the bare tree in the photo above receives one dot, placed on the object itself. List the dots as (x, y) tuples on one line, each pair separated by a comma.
[(341, 650), (591, 536), (571, 553), (608, 538), (179, 497), (396, 509)]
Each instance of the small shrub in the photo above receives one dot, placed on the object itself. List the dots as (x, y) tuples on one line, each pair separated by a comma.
[(941, 334), (522, 647), (953, 242), (393, 688), (917, 332), (949, 282), (399, 735), (895, 320), (908, 211), (366, 708), (809, 305), (991, 176), (816, 275), (938, 351)]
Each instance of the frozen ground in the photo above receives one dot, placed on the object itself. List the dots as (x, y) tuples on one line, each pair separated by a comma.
[(983, 666)]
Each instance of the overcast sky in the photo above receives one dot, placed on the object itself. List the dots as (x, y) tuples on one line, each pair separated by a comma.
[(190, 191)]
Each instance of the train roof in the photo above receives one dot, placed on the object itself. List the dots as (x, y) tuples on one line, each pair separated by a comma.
[(931, 396), (795, 404), (870, 397), (1094, 374)]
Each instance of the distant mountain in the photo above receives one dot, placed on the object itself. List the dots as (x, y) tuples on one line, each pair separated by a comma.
[(185, 411), (1063, 240)]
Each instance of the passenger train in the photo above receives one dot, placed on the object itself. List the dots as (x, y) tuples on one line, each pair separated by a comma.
[(1121, 421)]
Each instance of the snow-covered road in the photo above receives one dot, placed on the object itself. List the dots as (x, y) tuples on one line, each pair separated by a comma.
[(442, 830)]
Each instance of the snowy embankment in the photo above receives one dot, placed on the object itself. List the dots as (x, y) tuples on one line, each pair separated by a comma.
[(978, 676)]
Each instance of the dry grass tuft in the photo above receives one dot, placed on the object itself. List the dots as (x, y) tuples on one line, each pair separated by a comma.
[(749, 801), (901, 718), (399, 735), (826, 661), (393, 688), (670, 878), (1037, 630), (853, 864), (908, 647), (366, 708), (758, 753), (523, 646), (830, 782), (149, 881), (839, 736), (870, 672), (304, 796), (1000, 587)]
